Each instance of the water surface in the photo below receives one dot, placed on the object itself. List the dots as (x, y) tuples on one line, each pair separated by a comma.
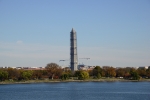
[(77, 91)]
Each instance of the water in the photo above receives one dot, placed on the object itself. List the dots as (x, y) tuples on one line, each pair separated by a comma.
[(77, 91)]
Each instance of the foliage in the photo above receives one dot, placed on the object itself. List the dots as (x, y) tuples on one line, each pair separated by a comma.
[(51, 65), (82, 75), (98, 76), (54, 71), (110, 72), (27, 75), (3, 75), (148, 73), (37, 74), (65, 76), (97, 72), (135, 76), (120, 72), (141, 72), (13, 73)]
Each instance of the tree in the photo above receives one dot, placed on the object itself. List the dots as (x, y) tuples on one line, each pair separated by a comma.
[(135, 75), (98, 76), (82, 75), (127, 72), (13, 73), (97, 72), (37, 74), (148, 73), (110, 72), (77, 73), (3, 75), (103, 73), (54, 71), (52, 65), (65, 76), (90, 72), (27, 75), (141, 72), (120, 72)]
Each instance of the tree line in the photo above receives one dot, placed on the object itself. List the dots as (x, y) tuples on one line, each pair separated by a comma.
[(54, 71)]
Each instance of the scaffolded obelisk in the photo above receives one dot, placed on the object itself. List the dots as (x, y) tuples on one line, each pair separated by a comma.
[(73, 51)]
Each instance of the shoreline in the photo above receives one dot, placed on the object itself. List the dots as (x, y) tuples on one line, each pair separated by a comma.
[(72, 80)]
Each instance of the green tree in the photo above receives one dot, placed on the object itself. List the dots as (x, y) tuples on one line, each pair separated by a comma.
[(3, 75), (98, 75), (134, 75), (65, 76), (27, 75), (77, 73), (83, 75), (97, 72)]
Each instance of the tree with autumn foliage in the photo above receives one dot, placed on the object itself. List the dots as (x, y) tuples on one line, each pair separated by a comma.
[(148, 73), (120, 72), (141, 72), (110, 72), (13, 74), (54, 70), (37, 74)]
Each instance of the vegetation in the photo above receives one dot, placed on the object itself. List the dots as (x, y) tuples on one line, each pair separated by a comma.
[(82, 75), (26, 75), (65, 76), (54, 71), (3, 75), (97, 72)]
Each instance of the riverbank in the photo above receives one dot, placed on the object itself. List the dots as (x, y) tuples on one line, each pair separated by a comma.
[(73, 80)]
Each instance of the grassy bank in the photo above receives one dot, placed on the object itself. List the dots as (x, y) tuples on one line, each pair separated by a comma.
[(73, 80)]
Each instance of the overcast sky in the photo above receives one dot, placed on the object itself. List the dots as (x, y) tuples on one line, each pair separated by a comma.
[(109, 32)]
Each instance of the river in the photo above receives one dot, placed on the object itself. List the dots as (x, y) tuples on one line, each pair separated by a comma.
[(76, 91)]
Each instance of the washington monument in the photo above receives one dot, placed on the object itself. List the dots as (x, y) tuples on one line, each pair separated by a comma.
[(73, 51)]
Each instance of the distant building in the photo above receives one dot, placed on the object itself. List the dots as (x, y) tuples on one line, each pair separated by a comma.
[(106, 67), (143, 67), (82, 67), (66, 68), (85, 67), (91, 67)]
